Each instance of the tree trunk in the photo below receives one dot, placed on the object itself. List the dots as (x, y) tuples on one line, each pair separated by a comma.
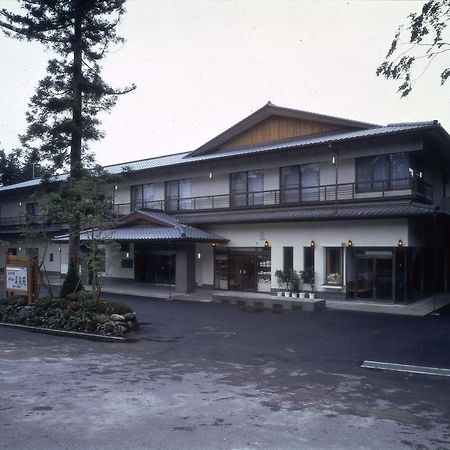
[(75, 147)]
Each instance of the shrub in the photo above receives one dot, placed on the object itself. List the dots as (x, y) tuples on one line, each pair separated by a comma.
[(78, 312), (116, 308)]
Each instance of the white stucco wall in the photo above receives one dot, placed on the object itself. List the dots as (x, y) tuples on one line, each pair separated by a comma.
[(364, 233)]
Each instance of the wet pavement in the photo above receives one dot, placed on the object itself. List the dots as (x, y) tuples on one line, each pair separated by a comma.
[(206, 376)]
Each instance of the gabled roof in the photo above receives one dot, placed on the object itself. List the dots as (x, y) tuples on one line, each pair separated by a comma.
[(157, 226), (149, 217), (269, 110)]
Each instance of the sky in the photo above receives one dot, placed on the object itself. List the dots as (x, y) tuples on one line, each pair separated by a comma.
[(202, 66)]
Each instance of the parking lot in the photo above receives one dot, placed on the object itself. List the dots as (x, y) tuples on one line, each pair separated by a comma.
[(206, 376)]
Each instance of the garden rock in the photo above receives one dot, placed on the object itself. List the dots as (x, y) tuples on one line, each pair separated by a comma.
[(117, 318)]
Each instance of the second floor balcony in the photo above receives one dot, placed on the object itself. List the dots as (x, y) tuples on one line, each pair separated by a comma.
[(408, 188)]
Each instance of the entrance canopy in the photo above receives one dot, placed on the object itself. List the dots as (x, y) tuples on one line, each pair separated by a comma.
[(148, 225)]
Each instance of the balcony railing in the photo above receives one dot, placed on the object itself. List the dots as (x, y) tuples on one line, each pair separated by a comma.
[(346, 192), (20, 220)]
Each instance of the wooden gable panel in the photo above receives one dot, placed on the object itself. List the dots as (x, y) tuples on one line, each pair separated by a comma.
[(277, 128)]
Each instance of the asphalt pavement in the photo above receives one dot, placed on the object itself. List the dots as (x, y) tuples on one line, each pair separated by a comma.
[(208, 376)]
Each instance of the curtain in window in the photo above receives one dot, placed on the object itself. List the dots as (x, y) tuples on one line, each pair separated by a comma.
[(400, 176), (239, 189), (172, 195), (142, 196), (148, 195), (185, 193), (380, 173), (290, 184), (310, 180), (255, 187), (364, 174)]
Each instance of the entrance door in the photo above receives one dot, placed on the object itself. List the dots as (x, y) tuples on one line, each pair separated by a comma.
[(374, 278), (242, 272), (154, 264)]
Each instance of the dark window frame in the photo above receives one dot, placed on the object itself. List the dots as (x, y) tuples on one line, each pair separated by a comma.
[(298, 188), (250, 200), (181, 203), (143, 202), (415, 170)]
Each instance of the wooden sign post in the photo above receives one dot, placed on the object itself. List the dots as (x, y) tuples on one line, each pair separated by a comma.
[(21, 277)]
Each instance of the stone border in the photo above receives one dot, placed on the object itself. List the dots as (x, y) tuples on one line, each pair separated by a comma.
[(274, 303), (75, 334)]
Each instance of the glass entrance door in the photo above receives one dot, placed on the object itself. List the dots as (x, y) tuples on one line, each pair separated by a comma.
[(242, 272), (374, 278)]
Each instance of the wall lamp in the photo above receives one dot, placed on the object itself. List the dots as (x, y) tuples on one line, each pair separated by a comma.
[(213, 245), (210, 175), (313, 243), (350, 243), (266, 244), (400, 243)]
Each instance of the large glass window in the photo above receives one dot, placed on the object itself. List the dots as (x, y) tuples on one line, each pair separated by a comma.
[(299, 183), (179, 194), (333, 265), (246, 188), (142, 196), (383, 172)]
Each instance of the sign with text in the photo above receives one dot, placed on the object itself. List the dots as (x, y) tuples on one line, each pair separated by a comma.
[(21, 277), (17, 278)]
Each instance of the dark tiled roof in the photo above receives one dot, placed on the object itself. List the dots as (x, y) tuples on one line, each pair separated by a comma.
[(149, 233), (312, 214), (186, 158)]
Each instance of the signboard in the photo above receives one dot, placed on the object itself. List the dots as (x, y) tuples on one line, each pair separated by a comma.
[(17, 279), (21, 277)]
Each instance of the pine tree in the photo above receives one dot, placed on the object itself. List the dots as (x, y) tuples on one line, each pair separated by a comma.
[(63, 112)]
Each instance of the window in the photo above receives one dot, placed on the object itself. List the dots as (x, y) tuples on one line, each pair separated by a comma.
[(142, 196), (178, 194), (30, 209), (383, 172), (288, 258), (299, 183), (50, 257), (247, 188), (333, 266), (308, 258), (12, 251)]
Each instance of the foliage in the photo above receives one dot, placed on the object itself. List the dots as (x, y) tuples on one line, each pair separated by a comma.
[(88, 204), (79, 312), (16, 167), (417, 44), (63, 113), (308, 276), (288, 277)]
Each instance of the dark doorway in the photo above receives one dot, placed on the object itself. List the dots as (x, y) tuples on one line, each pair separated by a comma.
[(154, 263), (242, 272), (374, 276)]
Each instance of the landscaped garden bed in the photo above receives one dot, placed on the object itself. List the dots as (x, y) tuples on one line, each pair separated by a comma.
[(79, 312)]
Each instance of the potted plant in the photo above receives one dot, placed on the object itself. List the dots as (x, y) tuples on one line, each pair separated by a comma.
[(281, 277), (308, 276), (293, 282)]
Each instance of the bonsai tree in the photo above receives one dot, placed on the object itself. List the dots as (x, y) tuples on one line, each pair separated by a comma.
[(308, 276)]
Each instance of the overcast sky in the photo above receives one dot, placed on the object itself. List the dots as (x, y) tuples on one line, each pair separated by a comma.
[(201, 66)]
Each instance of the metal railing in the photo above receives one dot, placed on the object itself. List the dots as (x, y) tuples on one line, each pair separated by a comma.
[(292, 196)]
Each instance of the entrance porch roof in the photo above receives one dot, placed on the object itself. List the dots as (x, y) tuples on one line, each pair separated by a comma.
[(146, 225)]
